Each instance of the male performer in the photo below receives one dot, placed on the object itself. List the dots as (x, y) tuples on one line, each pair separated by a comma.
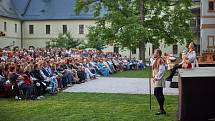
[(158, 70)]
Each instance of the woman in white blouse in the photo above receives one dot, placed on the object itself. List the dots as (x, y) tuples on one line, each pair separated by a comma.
[(187, 60)]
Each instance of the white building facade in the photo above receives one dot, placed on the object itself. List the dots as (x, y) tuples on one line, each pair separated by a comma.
[(12, 29), (207, 25), (43, 31)]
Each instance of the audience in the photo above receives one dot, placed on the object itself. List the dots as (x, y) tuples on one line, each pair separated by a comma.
[(32, 73)]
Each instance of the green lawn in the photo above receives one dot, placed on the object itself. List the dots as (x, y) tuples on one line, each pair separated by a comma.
[(86, 107), (135, 73)]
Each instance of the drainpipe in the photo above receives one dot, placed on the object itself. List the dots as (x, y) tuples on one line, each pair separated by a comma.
[(25, 10), (21, 34)]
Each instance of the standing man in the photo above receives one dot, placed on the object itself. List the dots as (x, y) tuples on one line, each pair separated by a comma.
[(158, 70)]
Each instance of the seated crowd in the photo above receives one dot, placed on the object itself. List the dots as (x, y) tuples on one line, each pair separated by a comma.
[(32, 73)]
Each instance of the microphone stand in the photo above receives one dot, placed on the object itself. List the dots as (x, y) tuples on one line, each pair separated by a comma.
[(150, 86)]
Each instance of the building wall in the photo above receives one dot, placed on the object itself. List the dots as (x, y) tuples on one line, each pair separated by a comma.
[(207, 24), (10, 35), (126, 52), (39, 37), (149, 50), (204, 36)]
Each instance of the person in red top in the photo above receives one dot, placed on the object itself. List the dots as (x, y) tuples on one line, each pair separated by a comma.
[(27, 80), (22, 82)]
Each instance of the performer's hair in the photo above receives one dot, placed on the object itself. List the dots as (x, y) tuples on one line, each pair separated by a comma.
[(192, 44), (159, 51)]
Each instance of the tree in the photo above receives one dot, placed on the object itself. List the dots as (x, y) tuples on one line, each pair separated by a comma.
[(136, 22), (95, 40), (64, 41)]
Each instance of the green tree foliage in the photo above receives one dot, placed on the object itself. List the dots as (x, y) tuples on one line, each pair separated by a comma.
[(64, 41), (95, 40), (133, 23)]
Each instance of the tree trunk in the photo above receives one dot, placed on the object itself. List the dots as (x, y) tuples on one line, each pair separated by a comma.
[(142, 42), (142, 50)]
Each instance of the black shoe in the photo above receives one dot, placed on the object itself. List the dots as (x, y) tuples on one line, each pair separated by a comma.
[(163, 112), (78, 82)]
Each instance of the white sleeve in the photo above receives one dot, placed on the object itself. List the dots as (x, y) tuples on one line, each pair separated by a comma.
[(41, 72), (192, 57), (161, 72), (151, 61)]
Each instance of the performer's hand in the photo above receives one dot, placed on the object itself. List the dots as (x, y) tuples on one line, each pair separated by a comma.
[(154, 80)]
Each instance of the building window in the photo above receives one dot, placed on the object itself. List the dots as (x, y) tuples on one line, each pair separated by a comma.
[(211, 42), (194, 22), (5, 26), (211, 5), (175, 49), (81, 29), (31, 29), (47, 29), (16, 28), (198, 21), (116, 49), (134, 50), (64, 29)]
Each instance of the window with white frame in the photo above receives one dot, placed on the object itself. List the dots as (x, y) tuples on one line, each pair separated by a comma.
[(211, 41)]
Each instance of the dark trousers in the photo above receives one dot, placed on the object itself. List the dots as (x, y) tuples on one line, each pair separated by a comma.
[(64, 81), (173, 71), (81, 75), (27, 89), (16, 90), (40, 90), (158, 93)]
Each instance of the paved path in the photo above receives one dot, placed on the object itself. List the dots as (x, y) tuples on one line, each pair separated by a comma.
[(118, 85)]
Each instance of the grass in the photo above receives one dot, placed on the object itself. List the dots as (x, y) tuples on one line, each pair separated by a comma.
[(87, 107), (135, 73)]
